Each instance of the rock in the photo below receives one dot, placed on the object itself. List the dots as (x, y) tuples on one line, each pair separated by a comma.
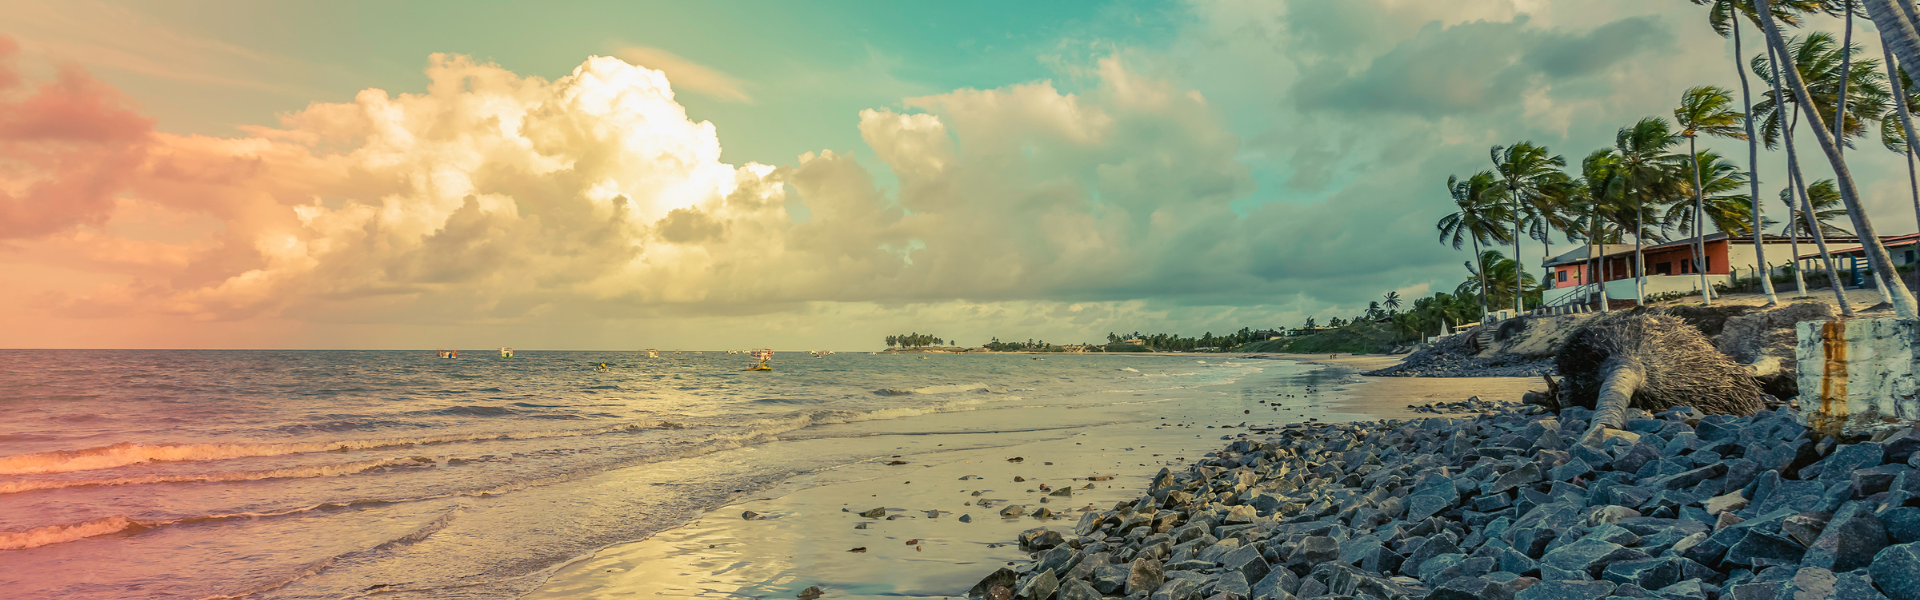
[(811, 593), (875, 513), (1471, 588), (1177, 589), (1807, 582), (1013, 510), (965, 519), (1590, 556), (1657, 573), (1040, 587), (1849, 541), (749, 515), (1896, 569), (1144, 576), (1040, 538), (1313, 551), (1566, 590), (1847, 459), (1724, 503), (1276, 583), (1074, 589), (1003, 577), (1109, 578), (1902, 523)]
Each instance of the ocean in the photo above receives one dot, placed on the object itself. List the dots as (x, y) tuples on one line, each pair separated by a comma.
[(325, 474)]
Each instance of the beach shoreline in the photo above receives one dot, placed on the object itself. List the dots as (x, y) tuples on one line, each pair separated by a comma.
[(803, 534)]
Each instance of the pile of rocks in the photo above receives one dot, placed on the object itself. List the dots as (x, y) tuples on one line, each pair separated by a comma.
[(1470, 405), (1515, 505), (1454, 356)]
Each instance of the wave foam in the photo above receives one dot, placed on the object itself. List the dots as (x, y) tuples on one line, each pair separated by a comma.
[(127, 453), (14, 487), (54, 534)]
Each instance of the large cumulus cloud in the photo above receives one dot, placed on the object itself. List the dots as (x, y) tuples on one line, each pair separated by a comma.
[(497, 196)]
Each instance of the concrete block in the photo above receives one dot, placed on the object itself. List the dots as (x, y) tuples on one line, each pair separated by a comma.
[(1858, 374)]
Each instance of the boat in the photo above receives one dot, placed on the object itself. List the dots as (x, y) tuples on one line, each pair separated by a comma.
[(764, 356), (444, 353), (651, 353), (506, 353)]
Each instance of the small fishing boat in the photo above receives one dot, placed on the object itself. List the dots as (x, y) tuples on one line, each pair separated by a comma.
[(764, 356), (506, 353), (445, 353), (651, 353)]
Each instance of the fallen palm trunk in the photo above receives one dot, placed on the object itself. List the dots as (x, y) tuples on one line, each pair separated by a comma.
[(1651, 362)]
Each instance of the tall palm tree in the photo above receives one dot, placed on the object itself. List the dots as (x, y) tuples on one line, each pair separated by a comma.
[(1898, 295), (1534, 180), (1478, 216), (1495, 276), (1824, 197), (1898, 134), (1725, 17), (1705, 109), (1724, 207), (1594, 197), (1392, 300), (1647, 172), (1816, 53)]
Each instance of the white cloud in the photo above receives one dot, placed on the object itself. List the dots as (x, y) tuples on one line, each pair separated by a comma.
[(686, 74)]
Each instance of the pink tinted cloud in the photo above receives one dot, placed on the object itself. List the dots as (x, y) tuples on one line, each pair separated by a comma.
[(66, 147)]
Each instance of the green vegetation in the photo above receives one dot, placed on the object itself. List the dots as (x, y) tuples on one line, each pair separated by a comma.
[(914, 340), (1649, 185)]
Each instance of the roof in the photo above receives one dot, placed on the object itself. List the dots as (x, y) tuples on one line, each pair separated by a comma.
[(1889, 241), (1579, 254)]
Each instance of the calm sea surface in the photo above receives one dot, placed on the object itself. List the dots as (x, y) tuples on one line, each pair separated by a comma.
[(195, 474)]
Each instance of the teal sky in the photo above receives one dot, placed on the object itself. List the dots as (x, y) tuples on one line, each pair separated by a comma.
[(1054, 170)]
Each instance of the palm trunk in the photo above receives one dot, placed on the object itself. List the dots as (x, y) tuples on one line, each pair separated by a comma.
[(1519, 270), (1902, 299), (1753, 174), (1906, 127), (1846, 69), (1639, 262), (1597, 269), (1896, 21), (1481, 271), (1699, 228), (1807, 216)]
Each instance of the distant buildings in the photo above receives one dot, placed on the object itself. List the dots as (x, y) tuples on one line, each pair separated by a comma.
[(1670, 265)]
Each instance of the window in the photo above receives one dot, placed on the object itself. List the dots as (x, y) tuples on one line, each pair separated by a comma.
[(1665, 268), (1563, 277), (1909, 257), (1708, 262)]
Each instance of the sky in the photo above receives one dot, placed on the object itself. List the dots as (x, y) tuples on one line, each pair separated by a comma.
[(709, 175)]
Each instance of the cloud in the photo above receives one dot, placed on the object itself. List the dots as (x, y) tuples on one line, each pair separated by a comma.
[(686, 74), (116, 37), (66, 146), (1474, 67)]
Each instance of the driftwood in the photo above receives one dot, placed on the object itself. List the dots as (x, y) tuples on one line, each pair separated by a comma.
[(1652, 362)]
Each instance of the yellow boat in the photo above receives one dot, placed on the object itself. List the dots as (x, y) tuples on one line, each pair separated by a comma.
[(764, 355)]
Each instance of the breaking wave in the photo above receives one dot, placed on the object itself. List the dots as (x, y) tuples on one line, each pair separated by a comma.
[(12, 487)]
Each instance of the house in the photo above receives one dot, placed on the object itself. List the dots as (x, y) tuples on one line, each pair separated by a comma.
[(1670, 265), (1851, 260), (1265, 334)]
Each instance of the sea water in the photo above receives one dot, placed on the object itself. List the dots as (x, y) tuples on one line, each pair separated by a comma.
[(204, 474)]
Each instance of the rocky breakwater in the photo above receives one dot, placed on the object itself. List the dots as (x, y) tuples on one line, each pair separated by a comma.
[(1521, 504)]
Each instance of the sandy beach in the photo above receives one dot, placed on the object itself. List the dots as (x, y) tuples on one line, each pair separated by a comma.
[(810, 530)]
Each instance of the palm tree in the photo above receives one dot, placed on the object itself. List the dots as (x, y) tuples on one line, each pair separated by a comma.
[(1825, 200), (1392, 300), (1816, 52), (1594, 198), (1646, 171), (1898, 295), (1536, 184), (1705, 109), (1725, 17), (1309, 325), (1503, 274), (1479, 217), (1722, 205), (1897, 135)]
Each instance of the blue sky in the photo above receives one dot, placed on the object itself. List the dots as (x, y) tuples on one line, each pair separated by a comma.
[(337, 175)]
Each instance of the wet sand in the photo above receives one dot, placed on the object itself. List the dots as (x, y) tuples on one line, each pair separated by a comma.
[(807, 528)]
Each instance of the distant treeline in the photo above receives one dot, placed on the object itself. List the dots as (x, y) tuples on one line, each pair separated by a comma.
[(914, 340)]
